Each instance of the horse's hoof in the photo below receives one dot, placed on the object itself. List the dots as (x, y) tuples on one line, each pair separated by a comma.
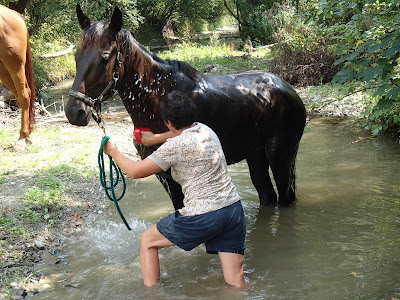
[(285, 203), (22, 145), (268, 201)]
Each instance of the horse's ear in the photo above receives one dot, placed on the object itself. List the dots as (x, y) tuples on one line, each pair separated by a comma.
[(84, 20), (116, 21)]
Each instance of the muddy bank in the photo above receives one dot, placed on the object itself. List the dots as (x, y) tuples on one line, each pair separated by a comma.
[(62, 155)]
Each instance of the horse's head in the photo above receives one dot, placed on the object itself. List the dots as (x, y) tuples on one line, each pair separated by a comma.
[(97, 66)]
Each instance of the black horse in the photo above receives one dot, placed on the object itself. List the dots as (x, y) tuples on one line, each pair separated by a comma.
[(257, 116)]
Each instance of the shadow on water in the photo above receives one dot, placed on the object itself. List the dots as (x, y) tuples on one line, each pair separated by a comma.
[(340, 240)]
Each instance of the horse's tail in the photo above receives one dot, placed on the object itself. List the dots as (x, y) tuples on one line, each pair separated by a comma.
[(29, 79), (293, 176)]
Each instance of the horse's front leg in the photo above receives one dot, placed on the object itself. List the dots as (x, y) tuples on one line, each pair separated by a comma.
[(258, 167), (173, 189)]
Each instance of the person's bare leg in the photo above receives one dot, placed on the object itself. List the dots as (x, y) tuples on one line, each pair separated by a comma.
[(150, 241), (232, 267)]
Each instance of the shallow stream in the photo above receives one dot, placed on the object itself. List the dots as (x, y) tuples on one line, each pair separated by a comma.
[(340, 241)]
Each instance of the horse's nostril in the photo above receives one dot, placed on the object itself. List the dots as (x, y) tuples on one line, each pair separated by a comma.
[(81, 117), (76, 116)]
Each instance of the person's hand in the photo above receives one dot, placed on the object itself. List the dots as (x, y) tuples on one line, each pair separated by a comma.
[(109, 147), (148, 138)]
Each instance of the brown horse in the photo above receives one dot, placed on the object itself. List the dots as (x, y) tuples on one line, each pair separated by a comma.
[(16, 71), (257, 116)]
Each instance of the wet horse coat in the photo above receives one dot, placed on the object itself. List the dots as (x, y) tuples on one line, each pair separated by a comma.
[(257, 116), (16, 71)]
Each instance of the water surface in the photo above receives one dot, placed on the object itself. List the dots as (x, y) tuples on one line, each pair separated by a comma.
[(340, 241)]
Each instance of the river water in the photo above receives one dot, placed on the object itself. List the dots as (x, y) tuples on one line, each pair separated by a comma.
[(340, 241)]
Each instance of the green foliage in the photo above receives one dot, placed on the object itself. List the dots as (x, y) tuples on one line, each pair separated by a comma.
[(10, 224), (291, 29), (5, 220), (303, 55), (384, 115), (45, 197), (101, 10), (259, 28), (157, 13), (368, 37), (199, 13), (51, 71), (219, 55), (49, 20), (3, 179), (254, 18)]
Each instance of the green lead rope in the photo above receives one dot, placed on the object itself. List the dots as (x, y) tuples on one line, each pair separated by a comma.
[(114, 168)]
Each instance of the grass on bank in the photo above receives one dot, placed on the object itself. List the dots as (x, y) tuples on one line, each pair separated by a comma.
[(224, 57), (36, 189)]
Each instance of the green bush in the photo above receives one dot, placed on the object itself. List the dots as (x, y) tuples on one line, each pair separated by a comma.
[(259, 29), (303, 54), (51, 70), (367, 35)]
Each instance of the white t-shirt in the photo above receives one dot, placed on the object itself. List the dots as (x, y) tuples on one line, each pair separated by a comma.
[(198, 164)]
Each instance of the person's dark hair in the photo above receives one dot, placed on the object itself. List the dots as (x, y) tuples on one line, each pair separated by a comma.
[(179, 109)]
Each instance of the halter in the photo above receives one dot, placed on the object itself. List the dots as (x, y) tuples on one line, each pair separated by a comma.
[(110, 86)]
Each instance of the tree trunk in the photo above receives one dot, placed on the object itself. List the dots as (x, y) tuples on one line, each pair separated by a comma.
[(19, 6)]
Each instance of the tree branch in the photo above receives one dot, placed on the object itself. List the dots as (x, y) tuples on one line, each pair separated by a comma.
[(232, 13), (58, 54)]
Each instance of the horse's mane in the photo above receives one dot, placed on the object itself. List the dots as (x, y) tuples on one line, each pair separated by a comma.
[(129, 45), (128, 42), (92, 34)]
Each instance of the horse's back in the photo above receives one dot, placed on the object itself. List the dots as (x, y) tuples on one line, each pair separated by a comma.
[(251, 106), (249, 95), (13, 33), (259, 85)]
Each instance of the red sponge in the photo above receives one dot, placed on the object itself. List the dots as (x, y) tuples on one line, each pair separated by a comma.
[(137, 131)]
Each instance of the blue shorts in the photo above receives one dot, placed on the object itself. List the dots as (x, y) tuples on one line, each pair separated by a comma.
[(223, 230)]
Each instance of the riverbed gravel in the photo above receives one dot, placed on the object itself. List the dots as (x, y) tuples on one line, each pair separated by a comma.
[(330, 105)]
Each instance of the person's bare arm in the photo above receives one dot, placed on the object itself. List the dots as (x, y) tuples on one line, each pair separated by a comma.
[(150, 139), (134, 169)]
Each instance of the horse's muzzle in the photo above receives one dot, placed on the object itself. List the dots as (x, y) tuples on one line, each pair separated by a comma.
[(76, 113)]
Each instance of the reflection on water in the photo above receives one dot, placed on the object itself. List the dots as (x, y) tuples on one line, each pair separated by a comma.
[(340, 241), (56, 97)]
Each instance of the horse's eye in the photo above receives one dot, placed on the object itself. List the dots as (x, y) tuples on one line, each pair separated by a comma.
[(106, 55)]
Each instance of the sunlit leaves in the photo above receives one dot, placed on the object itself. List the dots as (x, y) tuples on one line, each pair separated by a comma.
[(368, 37)]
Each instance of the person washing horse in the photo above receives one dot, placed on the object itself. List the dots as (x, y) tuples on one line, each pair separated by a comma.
[(257, 105), (212, 212)]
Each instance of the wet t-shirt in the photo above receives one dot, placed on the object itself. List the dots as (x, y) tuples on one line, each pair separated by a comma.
[(198, 164)]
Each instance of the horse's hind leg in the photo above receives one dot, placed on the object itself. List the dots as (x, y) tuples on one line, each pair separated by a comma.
[(282, 163), (23, 97), (6, 79), (23, 100), (14, 79), (258, 167)]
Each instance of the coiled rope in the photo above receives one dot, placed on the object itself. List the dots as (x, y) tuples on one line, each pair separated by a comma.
[(114, 168)]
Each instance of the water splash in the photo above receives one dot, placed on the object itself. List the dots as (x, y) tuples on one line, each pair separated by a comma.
[(110, 241)]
